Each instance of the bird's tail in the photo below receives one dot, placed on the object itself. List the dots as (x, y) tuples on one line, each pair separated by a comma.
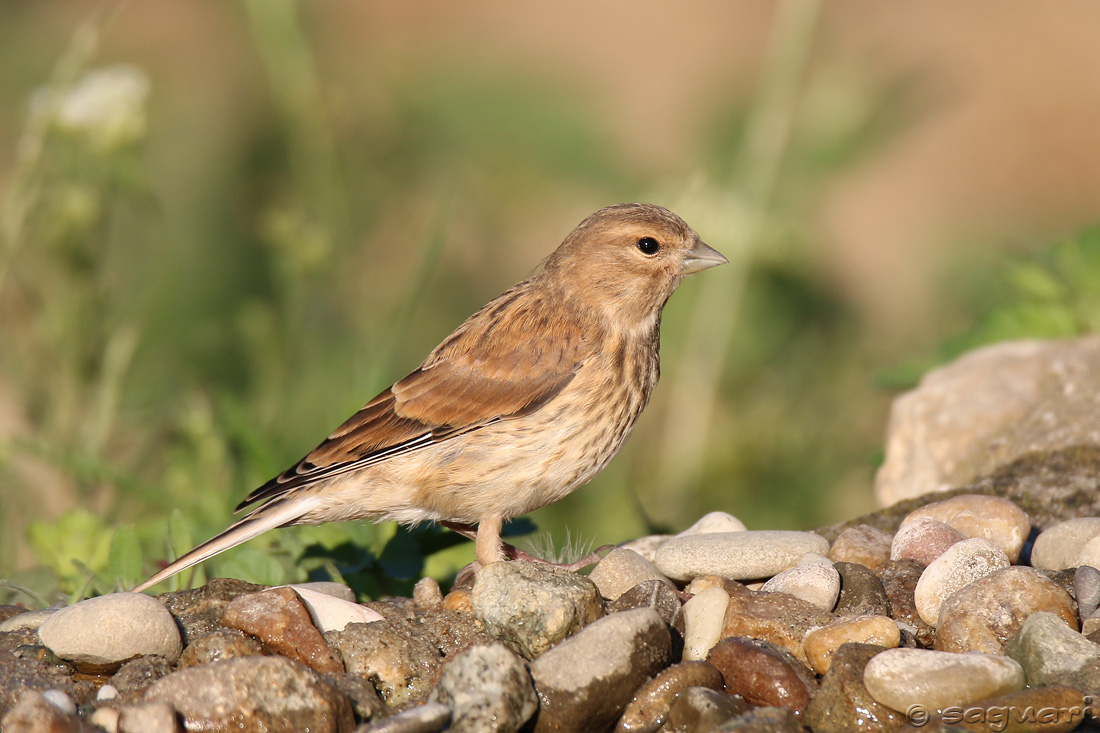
[(268, 516)]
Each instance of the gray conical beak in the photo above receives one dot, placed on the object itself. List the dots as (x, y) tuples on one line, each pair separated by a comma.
[(700, 257)]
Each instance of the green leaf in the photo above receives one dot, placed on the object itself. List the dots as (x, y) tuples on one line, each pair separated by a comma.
[(255, 566), (124, 558)]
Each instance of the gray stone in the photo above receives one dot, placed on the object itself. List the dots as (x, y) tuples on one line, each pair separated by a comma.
[(402, 664), (1059, 547), (1086, 589), (108, 630), (763, 720), (655, 594), (861, 592), (531, 607), (585, 681), (1052, 653), (21, 674), (198, 611), (702, 709), (254, 695), (987, 408), (746, 555), (428, 718), (486, 687), (842, 703)]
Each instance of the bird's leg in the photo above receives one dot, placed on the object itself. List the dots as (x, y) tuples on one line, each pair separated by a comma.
[(487, 547)]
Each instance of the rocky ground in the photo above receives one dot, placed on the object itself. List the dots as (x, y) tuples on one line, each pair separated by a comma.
[(973, 609)]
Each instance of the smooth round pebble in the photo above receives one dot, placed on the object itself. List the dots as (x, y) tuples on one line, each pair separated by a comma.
[(962, 563), (60, 700), (1089, 555), (1086, 589), (744, 555), (621, 570), (704, 617), (649, 709), (862, 544), (924, 540), (715, 522), (1059, 547), (27, 620), (821, 644), (815, 582), (902, 678), (110, 629), (981, 616), (993, 518)]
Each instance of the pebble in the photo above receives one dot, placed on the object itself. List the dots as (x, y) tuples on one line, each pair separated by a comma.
[(1054, 709), (821, 644), (1058, 547), (704, 621), (647, 546), (1051, 653), (699, 709), (714, 522), (459, 599), (486, 687), (1090, 554), (27, 620), (279, 618), (60, 700), (366, 703), (428, 718), (402, 664), (649, 710), (993, 518), (254, 694), (775, 617), (842, 703), (107, 630), (134, 677), (903, 678), (221, 644), (34, 713), (586, 681), (329, 612), (924, 540), (328, 588), (198, 612), (1086, 590), (899, 580), (621, 570), (745, 555), (962, 563), (531, 607), (655, 594), (763, 674), (981, 616), (862, 544), (106, 718), (763, 720), (814, 582), (427, 594), (861, 592), (147, 717)]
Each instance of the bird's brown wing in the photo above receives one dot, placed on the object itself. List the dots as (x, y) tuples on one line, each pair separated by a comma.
[(503, 362)]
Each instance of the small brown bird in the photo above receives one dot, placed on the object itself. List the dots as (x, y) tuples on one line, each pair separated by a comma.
[(524, 402)]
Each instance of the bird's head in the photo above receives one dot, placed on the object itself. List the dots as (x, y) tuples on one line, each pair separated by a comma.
[(626, 260)]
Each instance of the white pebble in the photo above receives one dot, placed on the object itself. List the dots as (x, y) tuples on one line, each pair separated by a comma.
[(747, 555), (704, 619), (960, 564), (815, 582), (902, 678)]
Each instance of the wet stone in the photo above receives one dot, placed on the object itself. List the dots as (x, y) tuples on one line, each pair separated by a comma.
[(775, 617), (254, 694), (531, 607), (365, 701), (198, 612), (698, 709), (1051, 653), (861, 592), (863, 545), (34, 713), (450, 632), (981, 616), (1054, 709), (655, 594), (843, 703), (763, 720), (18, 674), (899, 580), (401, 662), (135, 676), (280, 619), (763, 674), (821, 644), (649, 709), (427, 718), (222, 644)]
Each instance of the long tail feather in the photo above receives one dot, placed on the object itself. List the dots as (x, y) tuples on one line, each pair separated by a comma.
[(269, 516)]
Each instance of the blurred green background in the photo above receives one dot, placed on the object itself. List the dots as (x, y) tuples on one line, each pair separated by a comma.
[(226, 225)]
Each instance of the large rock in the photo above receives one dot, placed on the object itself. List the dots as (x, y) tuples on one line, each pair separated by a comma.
[(986, 409), (106, 631), (488, 688)]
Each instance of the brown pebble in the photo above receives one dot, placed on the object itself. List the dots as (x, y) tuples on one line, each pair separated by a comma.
[(776, 617), (222, 644), (842, 703), (649, 709), (280, 619), (461, 600), (763, 673), (899, 580), (862, 544), (1054, 709), (427, 594), (924, 540), (702, 709), (821, 644), (993, 518)]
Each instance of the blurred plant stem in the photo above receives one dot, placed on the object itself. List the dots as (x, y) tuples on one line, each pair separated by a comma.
[(739, 209)]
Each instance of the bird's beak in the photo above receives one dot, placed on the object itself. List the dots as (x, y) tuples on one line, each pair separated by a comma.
[(700, 257)]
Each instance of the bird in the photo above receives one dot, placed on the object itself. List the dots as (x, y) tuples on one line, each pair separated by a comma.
[(522, 404)]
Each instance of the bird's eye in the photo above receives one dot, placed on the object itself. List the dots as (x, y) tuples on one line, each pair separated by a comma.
[(649, 245)]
